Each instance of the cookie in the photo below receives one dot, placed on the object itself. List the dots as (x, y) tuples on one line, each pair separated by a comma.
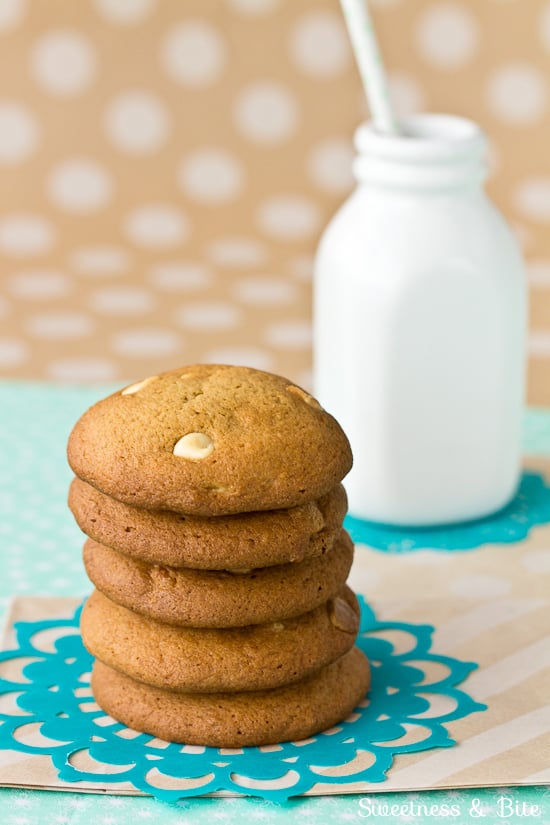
[(210, 440), (233, 659), (223, 542), (234, 720), (202, 598)]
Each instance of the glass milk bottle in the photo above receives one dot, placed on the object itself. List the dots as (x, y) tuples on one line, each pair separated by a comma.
[(419, 328)]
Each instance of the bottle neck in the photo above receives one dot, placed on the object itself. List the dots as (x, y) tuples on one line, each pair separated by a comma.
[(433, 152)]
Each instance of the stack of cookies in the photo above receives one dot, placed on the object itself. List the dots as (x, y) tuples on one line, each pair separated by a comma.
[(213, 503)]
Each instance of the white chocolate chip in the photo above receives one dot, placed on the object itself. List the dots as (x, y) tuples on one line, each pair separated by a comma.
[(194, 446), (215, 488), (277, 627), (164, 575), (139, 386), (305, 396)]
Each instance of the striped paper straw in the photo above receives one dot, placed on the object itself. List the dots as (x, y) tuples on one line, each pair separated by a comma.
[(369, 61)]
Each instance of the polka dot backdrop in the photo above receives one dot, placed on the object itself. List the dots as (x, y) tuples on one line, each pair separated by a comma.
[(167, 168)]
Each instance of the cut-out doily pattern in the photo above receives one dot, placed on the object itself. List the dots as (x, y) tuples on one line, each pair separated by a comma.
[(414, 694), (529, 508)]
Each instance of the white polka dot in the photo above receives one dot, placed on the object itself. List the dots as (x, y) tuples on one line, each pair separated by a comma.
[(543, 27), (289, 334), (447, 35), (124, 12), (536, 561), (147, 342), (254, 8), (100, 261), (211, 176), (288, 217), (180, 277), (13, 352), (406, 94), (40, 284), (208, 316), (539, 344), (194, 54), (319, 44), (330, 165), (79, 185), (538, 272), (24, 235), (237, 252), (532, 199), (137, 122), (478, 585), (19, 132), (84, 370), (301, 267), (262, 291), (11, 14), (63, 62), (157, 226), (123, 300), (517, 93), (60, 325), (266, 112), (258, 359)]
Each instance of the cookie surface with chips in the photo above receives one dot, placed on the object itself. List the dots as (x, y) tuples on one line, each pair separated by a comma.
[(210, 440)]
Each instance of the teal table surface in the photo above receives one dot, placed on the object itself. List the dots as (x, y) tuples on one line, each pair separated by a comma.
[(40, 552)]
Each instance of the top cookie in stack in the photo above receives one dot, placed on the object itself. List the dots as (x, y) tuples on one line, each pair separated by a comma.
[(210, 440), (212, 498)]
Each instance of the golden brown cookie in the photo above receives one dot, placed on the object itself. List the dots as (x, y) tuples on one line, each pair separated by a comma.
[(234, 720), (233, 659), (236, 541), (202, 598), (210, 440)]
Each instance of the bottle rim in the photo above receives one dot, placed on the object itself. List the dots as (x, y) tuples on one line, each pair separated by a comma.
[(429, 137)]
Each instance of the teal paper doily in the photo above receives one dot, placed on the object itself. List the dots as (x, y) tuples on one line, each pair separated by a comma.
[(54, 714), (529, 508)]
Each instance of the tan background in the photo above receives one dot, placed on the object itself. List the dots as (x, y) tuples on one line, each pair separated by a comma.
[(167, 166)]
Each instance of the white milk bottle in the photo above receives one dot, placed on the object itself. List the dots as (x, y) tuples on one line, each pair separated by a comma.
[(419, 328)]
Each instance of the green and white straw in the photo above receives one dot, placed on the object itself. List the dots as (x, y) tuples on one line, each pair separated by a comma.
[(369, 61)]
